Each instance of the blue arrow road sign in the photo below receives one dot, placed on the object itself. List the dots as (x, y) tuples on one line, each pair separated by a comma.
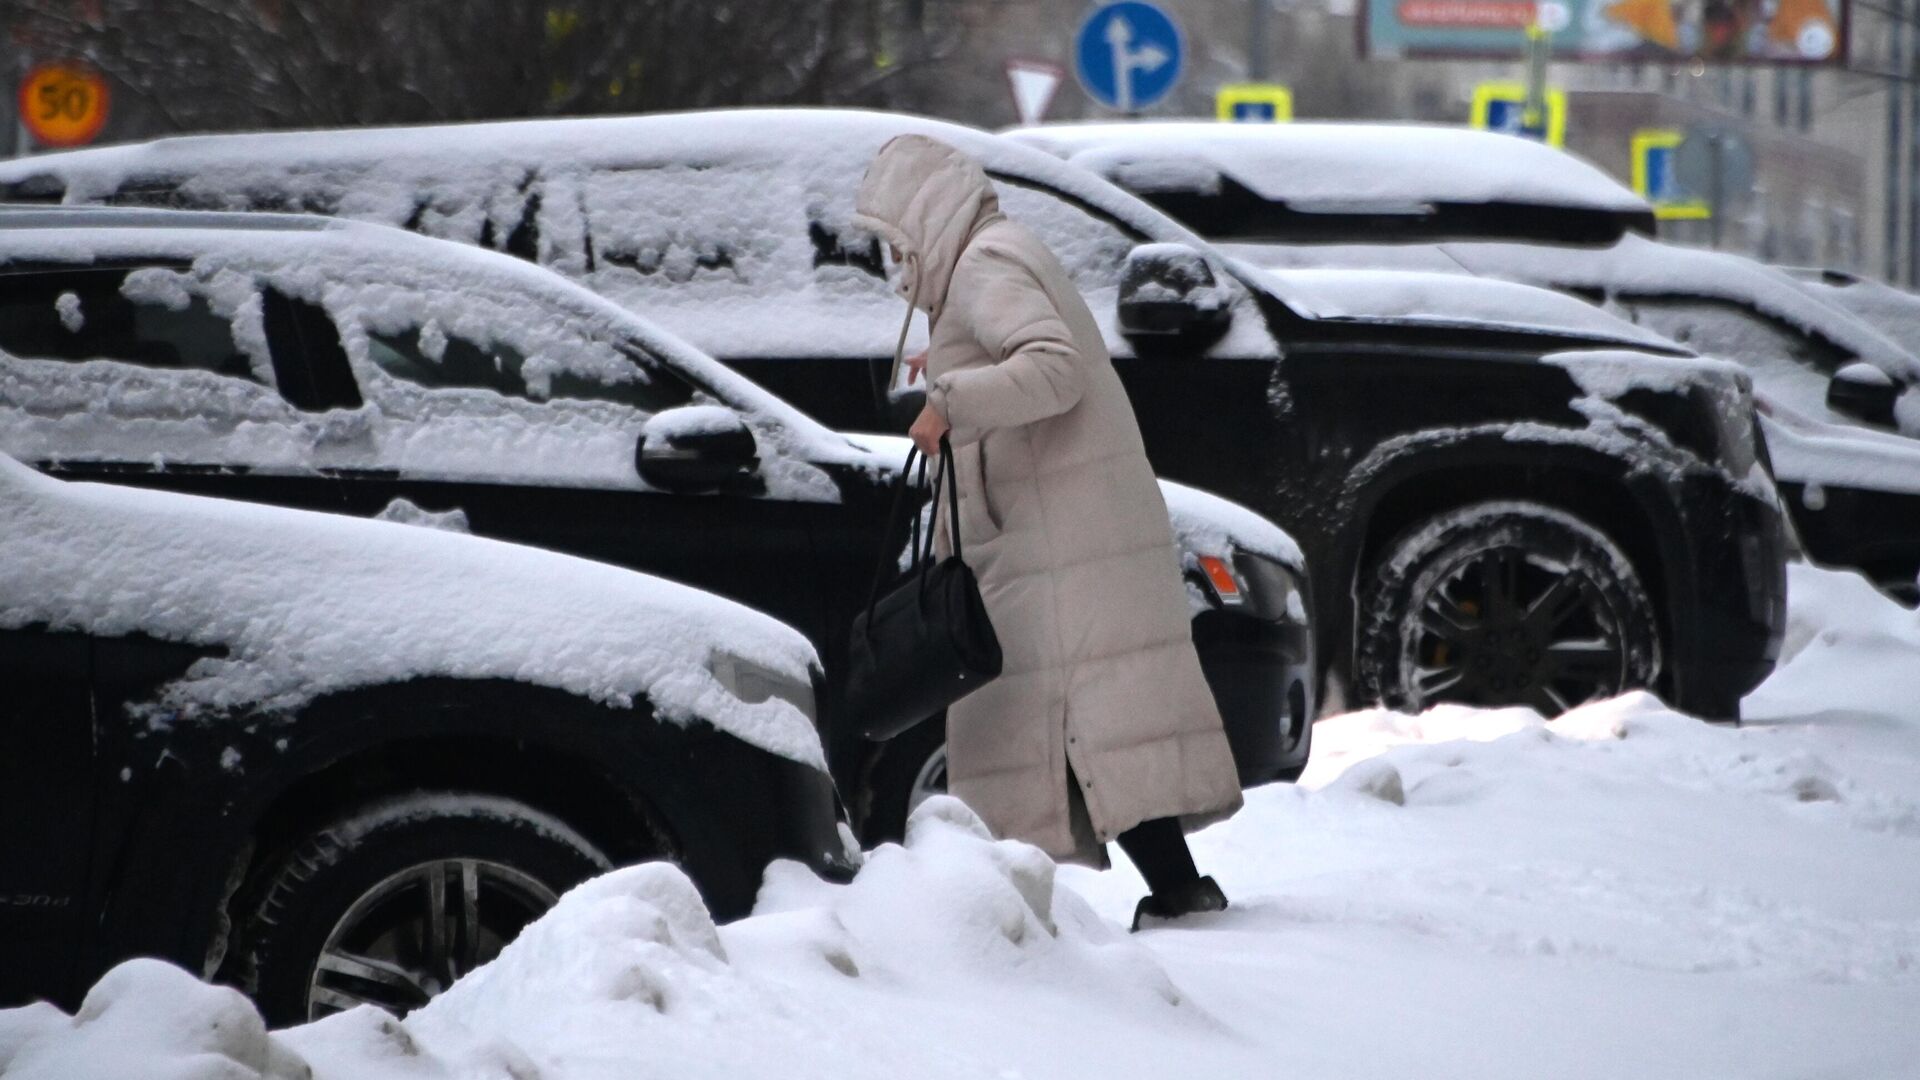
[(1127, 55)]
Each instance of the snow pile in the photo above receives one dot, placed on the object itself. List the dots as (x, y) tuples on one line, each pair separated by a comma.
[(903, 972), (1848, 650), (151, 1020), (307, 604)]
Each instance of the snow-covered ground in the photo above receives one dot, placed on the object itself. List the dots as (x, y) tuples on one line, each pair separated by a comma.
[(1623, 892)]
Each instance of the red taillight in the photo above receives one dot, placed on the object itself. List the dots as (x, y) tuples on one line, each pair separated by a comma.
[(1220, 576)]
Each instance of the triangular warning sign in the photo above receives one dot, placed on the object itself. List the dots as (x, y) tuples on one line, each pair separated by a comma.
[(1032, 83)]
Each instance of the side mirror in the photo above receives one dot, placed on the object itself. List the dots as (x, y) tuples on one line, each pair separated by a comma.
[(1170, 299), (1863, 392), (696, 448)]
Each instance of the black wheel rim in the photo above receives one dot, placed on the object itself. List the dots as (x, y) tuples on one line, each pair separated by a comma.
[(409, 937), (1508, 626)]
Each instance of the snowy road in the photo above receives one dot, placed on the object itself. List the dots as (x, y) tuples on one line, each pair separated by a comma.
[(1623, 892)]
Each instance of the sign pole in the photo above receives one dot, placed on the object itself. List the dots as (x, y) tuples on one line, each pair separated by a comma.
[(1716, 187), (1533, 115), (1257, 40)]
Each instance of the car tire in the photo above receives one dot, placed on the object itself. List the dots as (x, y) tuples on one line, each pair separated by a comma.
[(360, 892), (901, 773), (1504, 603)]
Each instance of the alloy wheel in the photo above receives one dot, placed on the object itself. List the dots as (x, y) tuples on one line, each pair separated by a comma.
[(412, 935)]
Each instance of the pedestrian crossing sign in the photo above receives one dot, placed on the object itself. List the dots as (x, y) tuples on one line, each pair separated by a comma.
[(1653, 177), (1502, 106)]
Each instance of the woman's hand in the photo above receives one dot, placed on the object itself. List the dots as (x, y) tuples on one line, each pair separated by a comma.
[(916, 367), (927, 430)]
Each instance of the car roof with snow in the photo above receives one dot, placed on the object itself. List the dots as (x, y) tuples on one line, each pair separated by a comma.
[(1340, 166), (305, 604), (664, 139), (281, 167)]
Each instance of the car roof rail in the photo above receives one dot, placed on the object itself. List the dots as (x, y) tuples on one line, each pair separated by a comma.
[(32, 216)]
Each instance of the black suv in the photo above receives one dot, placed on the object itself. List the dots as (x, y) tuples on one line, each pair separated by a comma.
[(336, 761), (361, 369), (1484, 520)]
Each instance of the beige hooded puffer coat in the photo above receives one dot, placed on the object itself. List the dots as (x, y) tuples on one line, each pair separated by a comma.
[(1063, 524)]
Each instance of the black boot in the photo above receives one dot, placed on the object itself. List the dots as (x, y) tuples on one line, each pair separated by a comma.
[(1200, 895)]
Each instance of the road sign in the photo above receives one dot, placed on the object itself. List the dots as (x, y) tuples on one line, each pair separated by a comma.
[(1254, 102), (1654, 180), (1502, 106), (63, 103), (1714, 163), (1032, 83), (1127, 55)]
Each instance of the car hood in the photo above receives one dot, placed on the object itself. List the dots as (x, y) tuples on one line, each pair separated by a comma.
[(1423, 299), (1203, 523), (297, 605)]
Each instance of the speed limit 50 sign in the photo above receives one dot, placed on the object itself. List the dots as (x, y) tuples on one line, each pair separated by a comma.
[(63, 103)]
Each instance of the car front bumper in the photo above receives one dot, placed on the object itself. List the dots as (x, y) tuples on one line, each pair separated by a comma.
[(1258, 660)]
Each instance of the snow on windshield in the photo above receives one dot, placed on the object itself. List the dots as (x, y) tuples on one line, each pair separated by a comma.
[(306, 605), (1344, 163)]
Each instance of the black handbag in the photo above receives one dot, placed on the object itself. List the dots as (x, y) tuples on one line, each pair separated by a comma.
[(926, 642)]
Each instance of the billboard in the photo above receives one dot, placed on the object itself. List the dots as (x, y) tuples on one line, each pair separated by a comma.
[(1615, 31)]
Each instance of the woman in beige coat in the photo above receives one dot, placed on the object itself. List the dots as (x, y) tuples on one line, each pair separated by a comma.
[(1100, 726)]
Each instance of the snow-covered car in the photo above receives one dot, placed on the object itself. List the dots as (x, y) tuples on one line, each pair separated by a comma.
[(358, 368), (1435, 199), (336, 761), (1423, 463)]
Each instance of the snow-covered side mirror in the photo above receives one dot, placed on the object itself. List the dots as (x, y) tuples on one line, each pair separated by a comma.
[(1863, 392), (1171, 300), (696, 448)]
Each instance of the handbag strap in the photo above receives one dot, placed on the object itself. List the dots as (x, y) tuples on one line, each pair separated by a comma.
[(887, 556), (922, 555)]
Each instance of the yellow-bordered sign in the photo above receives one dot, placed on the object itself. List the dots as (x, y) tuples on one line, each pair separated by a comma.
[(1497, 106), (63, 103), (1254, 102), (1653, 176)]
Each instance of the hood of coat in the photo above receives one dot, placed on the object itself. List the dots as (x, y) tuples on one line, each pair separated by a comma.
[(927, 199)]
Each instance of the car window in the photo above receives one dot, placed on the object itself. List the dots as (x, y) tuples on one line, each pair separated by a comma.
[(118, 315), (688, 223), (1091, 248), (429, 357), (1731, 331)]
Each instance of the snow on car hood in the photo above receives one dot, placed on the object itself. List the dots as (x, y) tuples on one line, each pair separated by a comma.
[(1203, 523), (1345, 163), (309, 604), (1418, 298)]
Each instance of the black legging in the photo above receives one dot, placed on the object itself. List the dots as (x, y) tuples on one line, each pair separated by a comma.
[(1159, 849)]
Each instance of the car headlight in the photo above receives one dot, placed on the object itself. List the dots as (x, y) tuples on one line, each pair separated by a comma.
[(1277, 592), (753, 683)]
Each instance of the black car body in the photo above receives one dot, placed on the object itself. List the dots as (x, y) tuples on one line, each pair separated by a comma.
[(360, 369), (1828, 359), (238, 735), (1377, 442)]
